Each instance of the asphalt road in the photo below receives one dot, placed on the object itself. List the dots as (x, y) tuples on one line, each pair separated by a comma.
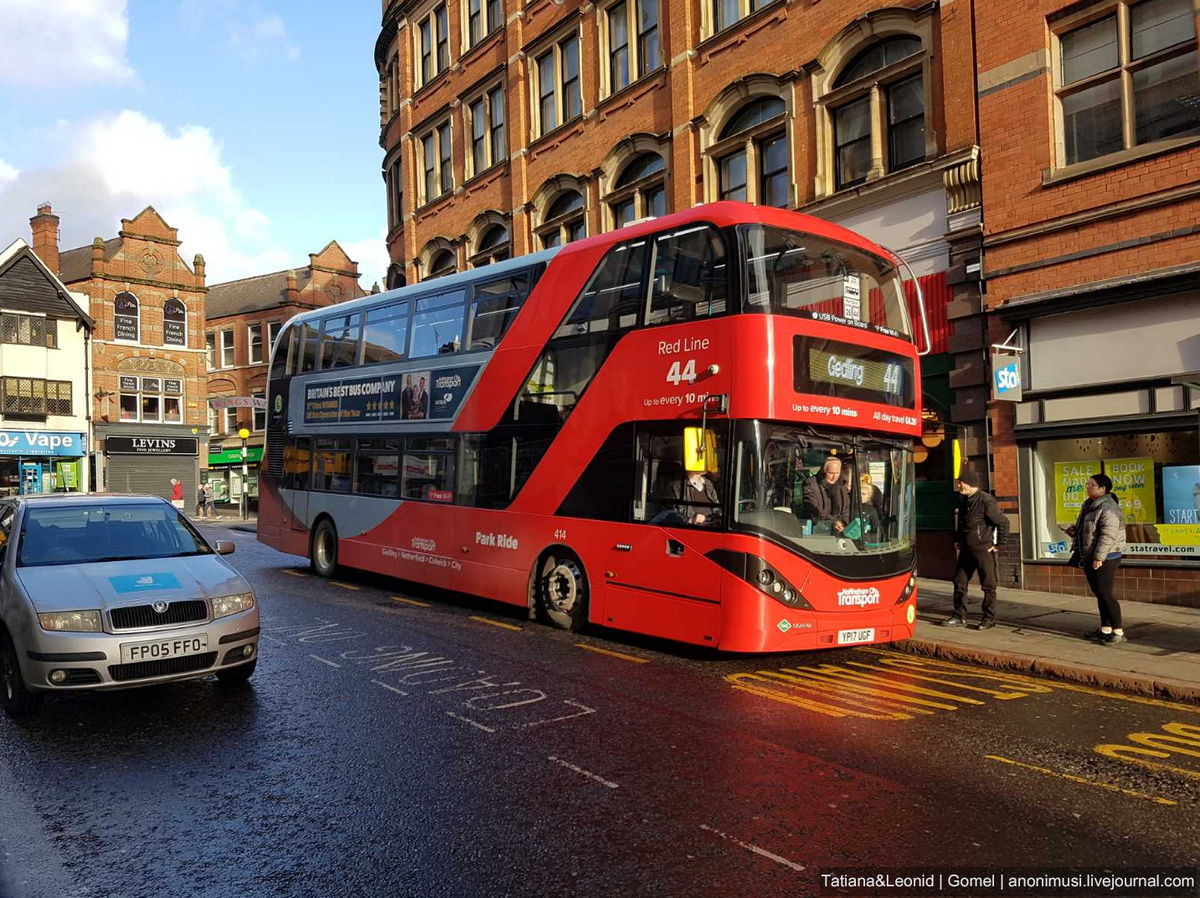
[(397, 742)]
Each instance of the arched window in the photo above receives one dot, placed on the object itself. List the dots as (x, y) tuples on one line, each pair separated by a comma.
[(395, 276), (752, 154), (640, 190), (126, 320), (564, 220), (494, 246), (878, 110), (442, 264), (174, 322)]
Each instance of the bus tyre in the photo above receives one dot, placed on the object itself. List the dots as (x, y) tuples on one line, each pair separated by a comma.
[(16, 699), (324, 551), (562, 591)]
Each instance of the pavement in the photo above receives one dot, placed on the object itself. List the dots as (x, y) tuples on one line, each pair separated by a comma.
[(1046, 634)]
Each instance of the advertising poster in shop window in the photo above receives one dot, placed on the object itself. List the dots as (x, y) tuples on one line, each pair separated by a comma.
[(1133, 485), (1070, 478)]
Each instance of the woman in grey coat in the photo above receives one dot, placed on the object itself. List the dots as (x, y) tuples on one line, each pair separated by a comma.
[(1099, 534)]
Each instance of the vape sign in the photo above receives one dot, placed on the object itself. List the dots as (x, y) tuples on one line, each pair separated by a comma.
[(1006, 376)]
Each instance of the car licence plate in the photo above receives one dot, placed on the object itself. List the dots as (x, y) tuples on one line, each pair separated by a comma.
[(163, 648), (845, 637)]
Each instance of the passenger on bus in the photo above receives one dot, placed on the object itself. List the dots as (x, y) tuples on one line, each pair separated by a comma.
[(826, 499), (872, 523), (690, 501)]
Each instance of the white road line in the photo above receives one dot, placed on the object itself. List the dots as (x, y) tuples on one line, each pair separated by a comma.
[(323, 661), (762, 852), (271, 639), (392, 688), (566, 701), (470, 721), (586, 773)]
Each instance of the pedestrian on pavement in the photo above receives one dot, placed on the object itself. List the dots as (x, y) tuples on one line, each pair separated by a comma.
[(1099, 534), (177, 494), (210, 508), (982, 529), (199, 500)]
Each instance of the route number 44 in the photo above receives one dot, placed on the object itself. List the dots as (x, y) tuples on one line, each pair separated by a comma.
[(688, 372)]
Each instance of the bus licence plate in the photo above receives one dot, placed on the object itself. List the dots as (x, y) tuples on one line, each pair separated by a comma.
[(845, 637), (163, 648)]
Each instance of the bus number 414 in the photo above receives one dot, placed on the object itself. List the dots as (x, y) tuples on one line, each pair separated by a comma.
[(688, 372)]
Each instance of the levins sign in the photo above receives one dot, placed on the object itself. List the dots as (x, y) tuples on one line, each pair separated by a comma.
[(151, 445)]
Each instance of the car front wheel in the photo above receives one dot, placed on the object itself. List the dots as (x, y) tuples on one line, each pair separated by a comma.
[(17, 700)]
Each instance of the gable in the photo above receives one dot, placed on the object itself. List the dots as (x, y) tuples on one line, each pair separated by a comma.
[(25, 287), (332, 256)]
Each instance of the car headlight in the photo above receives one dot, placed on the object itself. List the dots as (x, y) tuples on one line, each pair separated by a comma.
[(227, 605), (71, 621)]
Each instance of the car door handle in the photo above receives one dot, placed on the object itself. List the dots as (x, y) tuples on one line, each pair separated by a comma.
[(674, 547)]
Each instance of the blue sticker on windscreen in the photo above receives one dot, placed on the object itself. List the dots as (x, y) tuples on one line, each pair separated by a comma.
[(143, 582)]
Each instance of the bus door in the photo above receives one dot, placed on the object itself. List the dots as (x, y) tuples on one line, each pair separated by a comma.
[(297, 479), (657, 579)]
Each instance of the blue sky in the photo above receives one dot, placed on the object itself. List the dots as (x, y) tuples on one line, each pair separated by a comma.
[(251, 126)]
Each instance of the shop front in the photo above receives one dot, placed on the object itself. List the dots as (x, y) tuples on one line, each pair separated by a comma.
[(225, 474), (41, 461), (1106, 389), (146, 460)]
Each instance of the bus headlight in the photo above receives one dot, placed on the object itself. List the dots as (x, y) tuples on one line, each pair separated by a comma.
[(909, 588), (758, 573)]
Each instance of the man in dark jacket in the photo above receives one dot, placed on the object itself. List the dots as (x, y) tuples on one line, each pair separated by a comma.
[(982, 529), (826, 499)]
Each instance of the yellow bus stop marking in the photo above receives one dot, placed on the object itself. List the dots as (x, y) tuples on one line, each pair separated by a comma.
[(412, 602), (495, 623), (612, 654), (1079, 779)]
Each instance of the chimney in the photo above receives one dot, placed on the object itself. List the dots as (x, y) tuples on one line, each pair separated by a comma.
[(293, 295), (198, 266), (98, 256), (45, 236)]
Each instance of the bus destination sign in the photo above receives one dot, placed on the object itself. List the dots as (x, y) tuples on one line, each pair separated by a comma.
[(407, 396), (850, 371)]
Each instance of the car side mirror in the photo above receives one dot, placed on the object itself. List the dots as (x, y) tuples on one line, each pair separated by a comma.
[(225, 547)]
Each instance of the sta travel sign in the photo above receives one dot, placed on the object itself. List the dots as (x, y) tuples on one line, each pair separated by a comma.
[(41, 442)]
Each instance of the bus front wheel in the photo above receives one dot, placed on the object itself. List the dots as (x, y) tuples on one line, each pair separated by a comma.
[(562, 591), (324, 550)]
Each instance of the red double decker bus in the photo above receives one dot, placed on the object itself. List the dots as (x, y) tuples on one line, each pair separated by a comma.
[(698, 427)]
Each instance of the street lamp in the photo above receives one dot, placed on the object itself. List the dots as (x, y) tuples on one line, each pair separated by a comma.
[(245, 435)]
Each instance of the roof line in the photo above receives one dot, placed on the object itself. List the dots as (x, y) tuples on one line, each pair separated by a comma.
[(267, 274)]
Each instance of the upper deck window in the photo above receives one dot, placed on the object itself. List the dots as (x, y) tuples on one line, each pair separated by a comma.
[(386, 334), (494, 307), (789, 273), (438, 324)]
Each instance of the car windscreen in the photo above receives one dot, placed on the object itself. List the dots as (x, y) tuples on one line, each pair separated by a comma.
[(81, 534)]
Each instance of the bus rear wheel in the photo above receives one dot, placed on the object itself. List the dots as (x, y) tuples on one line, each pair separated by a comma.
[(323, 553), (562, 591)]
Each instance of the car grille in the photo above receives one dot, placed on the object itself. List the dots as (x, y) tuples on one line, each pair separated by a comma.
[(140, 670), (136, 617)]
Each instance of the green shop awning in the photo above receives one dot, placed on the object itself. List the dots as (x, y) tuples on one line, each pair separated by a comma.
[(234, 456)]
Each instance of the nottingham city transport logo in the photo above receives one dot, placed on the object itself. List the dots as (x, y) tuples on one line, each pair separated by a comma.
[(859, 597)]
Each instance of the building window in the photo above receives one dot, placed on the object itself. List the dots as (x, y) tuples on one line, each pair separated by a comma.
[(151, 399), (212, 420), (29, 397), (260, 414), (494, 246), (442, 264), (174, 322), (29, 330), (433, 45), (878, 109), (483, 18), (640, 190), (631, 36), (751, 155), (723, 13), (558, 86), (225, 344), (172, 400), (485, 124), (254, 335), (273, 329), (394, 185), (1127, 79), (210, 346), (126, 321), (565, 220), (438, 168), (231, 420)]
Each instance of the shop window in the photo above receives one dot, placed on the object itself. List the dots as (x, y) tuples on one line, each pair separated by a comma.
[(385, 334), (427, 471), (377, 467), (331, 465), (1156, 477), (126, 320), (29, 330), (1126, 79), (174, 322)]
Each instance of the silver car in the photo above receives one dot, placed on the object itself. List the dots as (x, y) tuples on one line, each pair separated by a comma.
[(108, 592)]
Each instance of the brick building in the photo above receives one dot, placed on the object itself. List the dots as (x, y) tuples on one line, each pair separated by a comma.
[(1090, 128), (148, 383), (243, 319), (511, 127)]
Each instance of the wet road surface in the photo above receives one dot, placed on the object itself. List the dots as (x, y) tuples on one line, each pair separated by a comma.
[(395, 742)]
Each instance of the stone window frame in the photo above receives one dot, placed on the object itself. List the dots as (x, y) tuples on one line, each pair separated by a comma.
[(428, 14), (484, 95), (485, 7), (843, 50), (477, 255), (435, 133), (546, 196), (618, 158), (432, 250), (727, 105), (637, 68), (1126, 66), (554, 44)]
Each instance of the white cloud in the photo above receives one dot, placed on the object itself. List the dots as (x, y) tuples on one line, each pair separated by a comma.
[(250, 32), (119, 164), (64, 43), (7, 173), (372, 257)]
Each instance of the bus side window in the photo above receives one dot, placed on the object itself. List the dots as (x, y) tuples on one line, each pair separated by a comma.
[(297, 463), (689, 276), (605, 489), (493, 308), (485, 470), (331, 465), (308, 347), (612, 299), (339, 341), (386, 334)]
